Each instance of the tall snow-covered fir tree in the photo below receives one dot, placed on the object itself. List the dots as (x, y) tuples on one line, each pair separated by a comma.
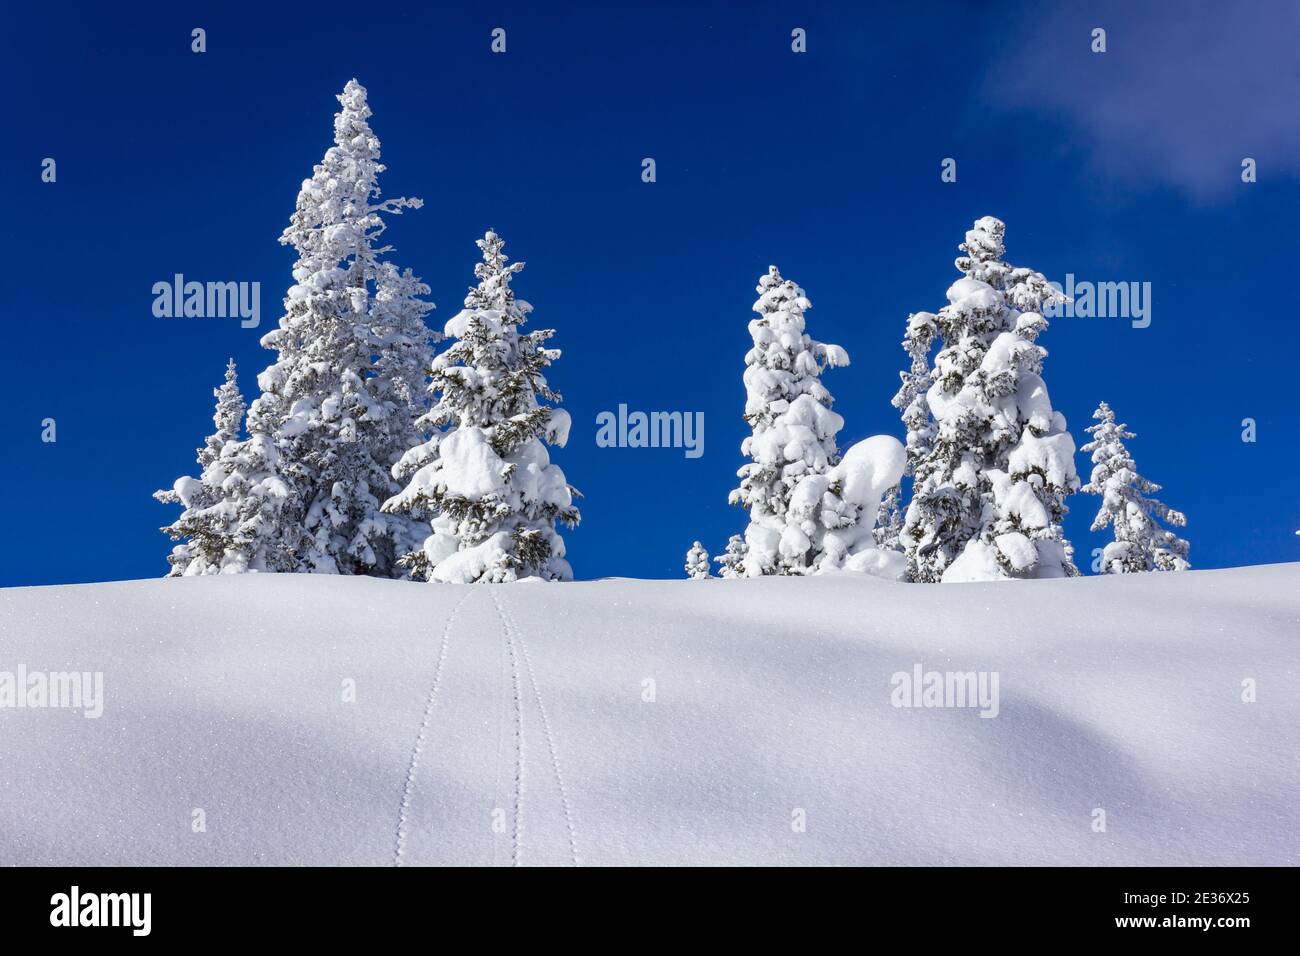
[(794, 429), (697, 563), (485, 475), (340, 402), (205, 547), (1140, 543), (989, 491)]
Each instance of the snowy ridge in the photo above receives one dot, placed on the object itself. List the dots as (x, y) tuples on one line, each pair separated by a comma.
[(518, 730)]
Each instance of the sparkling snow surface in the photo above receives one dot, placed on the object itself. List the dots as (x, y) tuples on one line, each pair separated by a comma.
[(509, 723)]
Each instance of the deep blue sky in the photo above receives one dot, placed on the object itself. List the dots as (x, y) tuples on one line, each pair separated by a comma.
[(1120, 166)]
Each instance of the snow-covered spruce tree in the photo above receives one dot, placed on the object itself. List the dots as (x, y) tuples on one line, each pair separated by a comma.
[(731, 563), (989, 494), (232, 510), (697, 562), (910, 400), (340, 401), (485, 475), (203, 544), (1140, 543), (794, 428)]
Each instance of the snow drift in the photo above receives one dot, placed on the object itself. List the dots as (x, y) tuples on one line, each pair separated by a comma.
[(611, 722)]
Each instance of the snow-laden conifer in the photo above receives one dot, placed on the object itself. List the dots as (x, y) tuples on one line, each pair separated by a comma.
[(794, 429), (989, 491), (202, 544), (697, 562), (231, 511), (731, 563), (339, 403), (1139, 544), (485, 474)]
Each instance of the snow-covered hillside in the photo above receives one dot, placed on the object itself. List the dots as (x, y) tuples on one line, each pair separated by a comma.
[(624, 721)]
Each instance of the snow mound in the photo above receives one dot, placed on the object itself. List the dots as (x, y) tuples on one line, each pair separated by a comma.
[(343, 720)]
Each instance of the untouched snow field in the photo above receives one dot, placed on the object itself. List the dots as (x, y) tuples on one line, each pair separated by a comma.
[(509, 724)]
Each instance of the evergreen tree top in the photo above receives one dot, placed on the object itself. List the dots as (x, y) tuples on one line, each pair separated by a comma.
[(776, 294), (337, 215), (1106, 426), (985, 242), (1107, 432), (1111, 456), (493, 291), (228, 416)]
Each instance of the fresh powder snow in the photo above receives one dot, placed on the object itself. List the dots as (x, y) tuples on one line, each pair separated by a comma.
[(312, 719)]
